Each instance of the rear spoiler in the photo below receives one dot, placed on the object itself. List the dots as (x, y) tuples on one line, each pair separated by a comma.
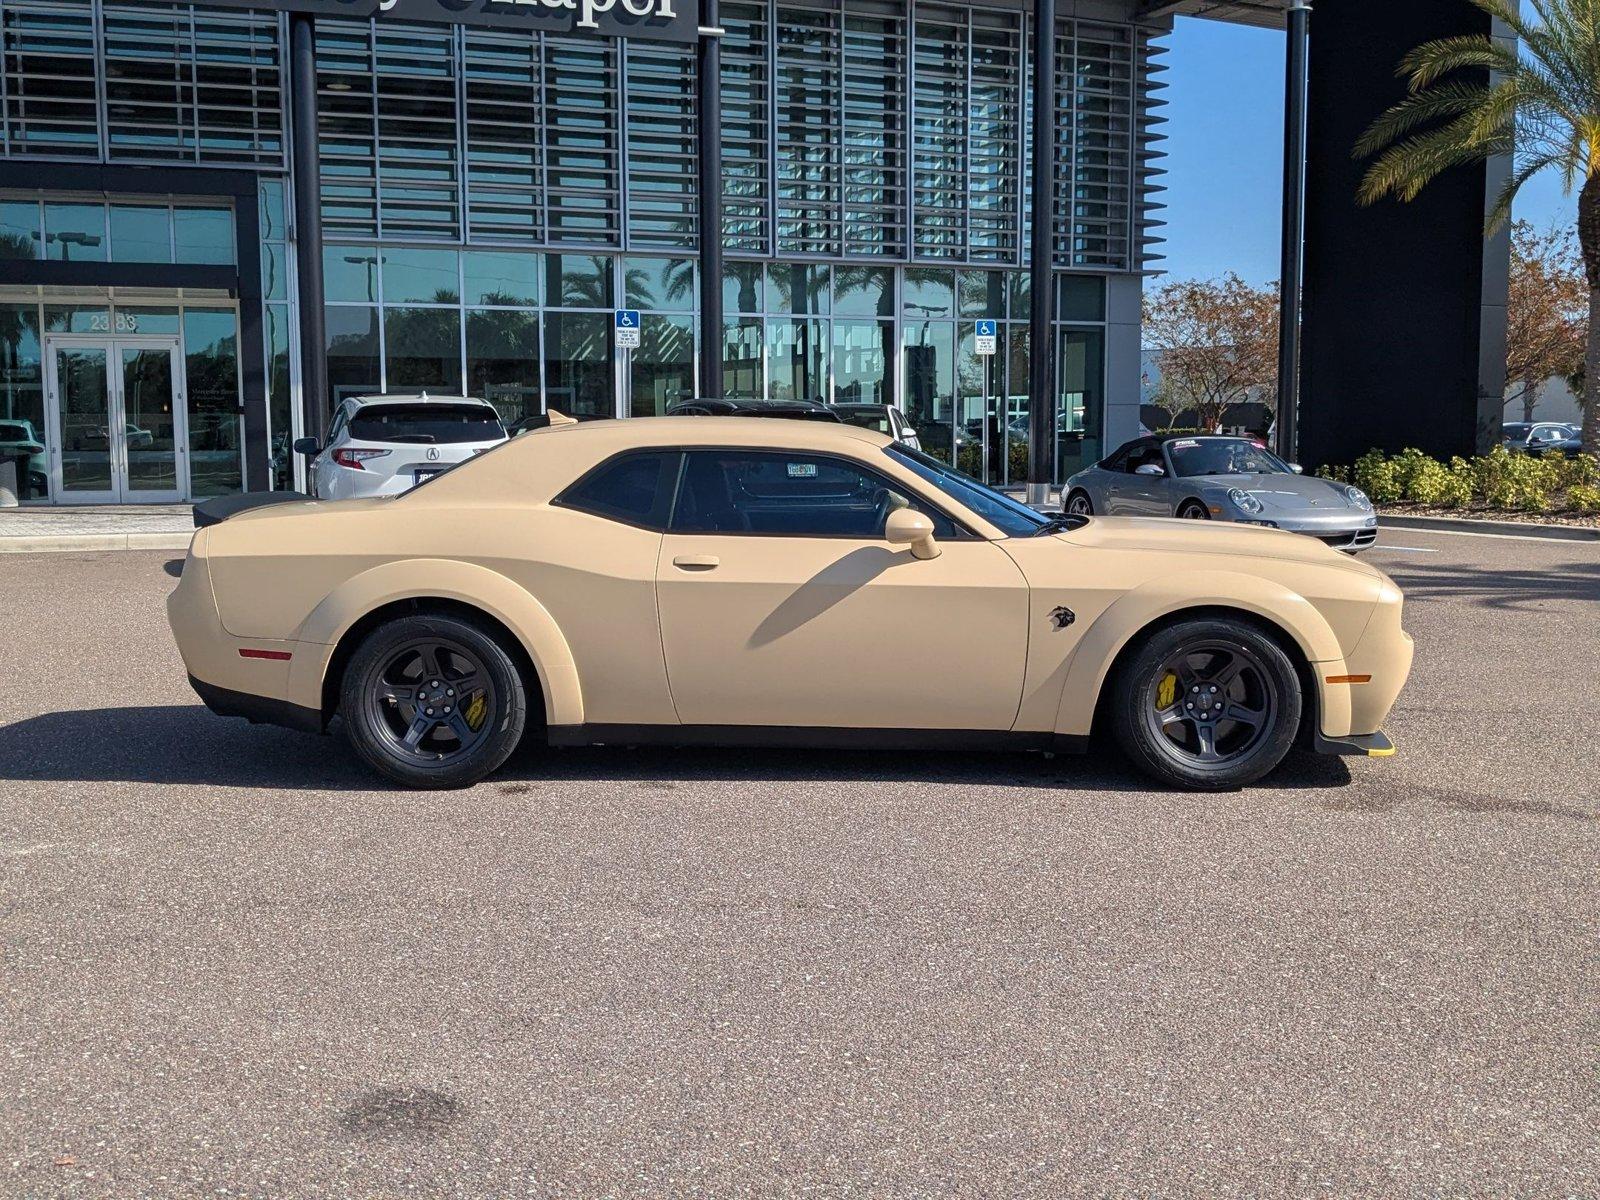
[(220, 508)]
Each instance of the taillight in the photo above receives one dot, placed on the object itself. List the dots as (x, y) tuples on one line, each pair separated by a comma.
[(354, 458)]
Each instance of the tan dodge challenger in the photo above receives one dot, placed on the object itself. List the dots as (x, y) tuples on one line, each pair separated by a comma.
[(734, 581)]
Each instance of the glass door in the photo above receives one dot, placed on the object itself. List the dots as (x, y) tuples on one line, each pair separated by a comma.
[(151, 420), (81, 408), (118, 418)]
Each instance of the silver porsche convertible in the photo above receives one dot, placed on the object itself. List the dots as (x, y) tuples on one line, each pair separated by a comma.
[(1221, 479)]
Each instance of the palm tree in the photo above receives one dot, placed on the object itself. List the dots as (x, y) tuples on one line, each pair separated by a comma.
[(1540, 102)]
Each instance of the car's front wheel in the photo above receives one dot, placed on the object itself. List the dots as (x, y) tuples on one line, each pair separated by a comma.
[(1079, 504), (433, 701), (1193, 510), (1207, 704)]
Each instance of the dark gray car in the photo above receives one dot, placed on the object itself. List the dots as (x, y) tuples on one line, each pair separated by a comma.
[(1221, 479)]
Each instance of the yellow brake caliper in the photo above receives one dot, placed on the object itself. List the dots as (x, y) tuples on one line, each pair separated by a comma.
[(1167, 693), (475, 712)]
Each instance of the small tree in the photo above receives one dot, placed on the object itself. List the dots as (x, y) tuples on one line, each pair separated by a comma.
[(1215, 342), (1547, 313)]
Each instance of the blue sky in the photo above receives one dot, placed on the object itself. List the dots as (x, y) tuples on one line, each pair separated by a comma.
[(1225, 153)]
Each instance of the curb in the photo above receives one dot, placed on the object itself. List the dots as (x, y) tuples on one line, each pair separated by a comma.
[(1527, 529), (49, 543)]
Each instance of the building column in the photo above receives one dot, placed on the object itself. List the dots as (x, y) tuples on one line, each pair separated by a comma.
[(708, 59), (1042, 311), (1292, 271), (307, 206)]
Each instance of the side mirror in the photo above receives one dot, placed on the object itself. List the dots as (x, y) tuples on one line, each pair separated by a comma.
[(908, 527), (1297, 468), (1149, 469), (308, 446), (908, 432)]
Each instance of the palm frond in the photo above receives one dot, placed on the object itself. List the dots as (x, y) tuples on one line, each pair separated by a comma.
[(1431, 61), (1500, 211), (1408, 166), (1451, 99)]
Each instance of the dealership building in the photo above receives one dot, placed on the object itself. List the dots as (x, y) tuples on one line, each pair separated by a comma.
[(218, 219)]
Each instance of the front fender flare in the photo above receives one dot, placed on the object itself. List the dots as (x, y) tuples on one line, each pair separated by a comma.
[(1122, 620), (440, 579)]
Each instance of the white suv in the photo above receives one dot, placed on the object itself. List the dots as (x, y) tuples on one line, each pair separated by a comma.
[(384, 445)]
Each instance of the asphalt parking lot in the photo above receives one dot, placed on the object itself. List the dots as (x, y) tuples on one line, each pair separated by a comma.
[(232, 966)]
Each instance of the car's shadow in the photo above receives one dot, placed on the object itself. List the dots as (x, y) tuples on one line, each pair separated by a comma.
[(185, 744)]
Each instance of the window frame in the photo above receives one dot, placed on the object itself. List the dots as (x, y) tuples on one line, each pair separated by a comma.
[(963, 531)]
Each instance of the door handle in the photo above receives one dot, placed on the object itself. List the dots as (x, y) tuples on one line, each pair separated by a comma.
[(697, 562)]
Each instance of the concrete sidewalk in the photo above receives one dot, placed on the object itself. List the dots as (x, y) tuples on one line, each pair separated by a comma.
[(42, 529)]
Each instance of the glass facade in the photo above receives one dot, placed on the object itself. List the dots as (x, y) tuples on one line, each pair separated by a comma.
[(488, 196)]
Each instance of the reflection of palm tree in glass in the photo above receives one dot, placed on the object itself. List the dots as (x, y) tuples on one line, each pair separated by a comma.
[(421, 344), (503, 356)]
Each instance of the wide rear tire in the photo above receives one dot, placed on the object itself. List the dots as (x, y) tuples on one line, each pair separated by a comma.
[(433, 701), (1209, 704)]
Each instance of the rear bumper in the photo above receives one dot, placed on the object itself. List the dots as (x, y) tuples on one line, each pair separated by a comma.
[(258, 710)]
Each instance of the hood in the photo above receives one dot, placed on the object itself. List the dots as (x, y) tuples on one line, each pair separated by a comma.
[(1209, 537), (1286, 493)]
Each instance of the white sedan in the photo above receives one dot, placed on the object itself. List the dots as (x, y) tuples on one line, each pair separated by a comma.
[(385, 445)]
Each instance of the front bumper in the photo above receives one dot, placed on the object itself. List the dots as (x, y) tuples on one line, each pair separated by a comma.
[(1342, 531), (1368, 745)]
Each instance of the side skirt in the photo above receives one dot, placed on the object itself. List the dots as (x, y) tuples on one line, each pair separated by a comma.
[(815, 738)]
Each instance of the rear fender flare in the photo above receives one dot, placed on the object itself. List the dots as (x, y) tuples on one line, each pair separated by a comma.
[(443, 579), (1128, 616)]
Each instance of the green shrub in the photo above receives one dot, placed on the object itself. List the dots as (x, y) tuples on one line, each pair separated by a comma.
[(1458, 492), (1378, 478), (1585, 468), (1337, 474), (1584, 497), (1515, 481)]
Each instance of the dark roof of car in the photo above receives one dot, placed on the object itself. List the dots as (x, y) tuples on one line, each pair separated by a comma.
[(755, 408)]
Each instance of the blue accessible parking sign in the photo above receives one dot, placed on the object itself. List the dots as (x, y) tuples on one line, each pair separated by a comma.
[(986, 335), (627, 328)]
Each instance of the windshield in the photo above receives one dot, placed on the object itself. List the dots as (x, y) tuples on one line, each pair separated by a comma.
[(426, 423), (1223, 456), (875, 419), (1011, 516)]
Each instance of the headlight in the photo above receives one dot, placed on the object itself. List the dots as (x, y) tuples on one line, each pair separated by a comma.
[(1244, 501), (1357, 497)]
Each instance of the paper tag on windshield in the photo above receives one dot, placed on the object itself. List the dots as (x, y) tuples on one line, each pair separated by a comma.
[(1184, 445), (802, 470)]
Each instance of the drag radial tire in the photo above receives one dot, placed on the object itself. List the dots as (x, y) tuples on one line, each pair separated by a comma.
[(433, 701), (1207, 704)]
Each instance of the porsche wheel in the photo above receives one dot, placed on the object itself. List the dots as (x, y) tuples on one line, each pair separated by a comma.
[(1207, 705), (1193, 510), (433, 702), (1079, 504)]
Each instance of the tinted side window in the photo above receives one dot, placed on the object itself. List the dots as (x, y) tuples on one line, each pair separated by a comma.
[(1144, 454), (628, 489), (1118, 459), (795, 495)]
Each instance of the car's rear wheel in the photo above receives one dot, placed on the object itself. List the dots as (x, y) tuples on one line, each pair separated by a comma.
[(1207, 704), (1079, 504), (433, 701), (1193, 510)]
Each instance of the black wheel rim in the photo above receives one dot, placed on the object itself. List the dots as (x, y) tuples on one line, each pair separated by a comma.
[(1212, 704), (431, 701), (1193, 512)]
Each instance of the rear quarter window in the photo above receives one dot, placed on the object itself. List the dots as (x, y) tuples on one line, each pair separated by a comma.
[(631, 489)]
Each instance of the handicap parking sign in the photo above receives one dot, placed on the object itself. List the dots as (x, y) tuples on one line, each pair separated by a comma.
[(987, 336), (627, 328)]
